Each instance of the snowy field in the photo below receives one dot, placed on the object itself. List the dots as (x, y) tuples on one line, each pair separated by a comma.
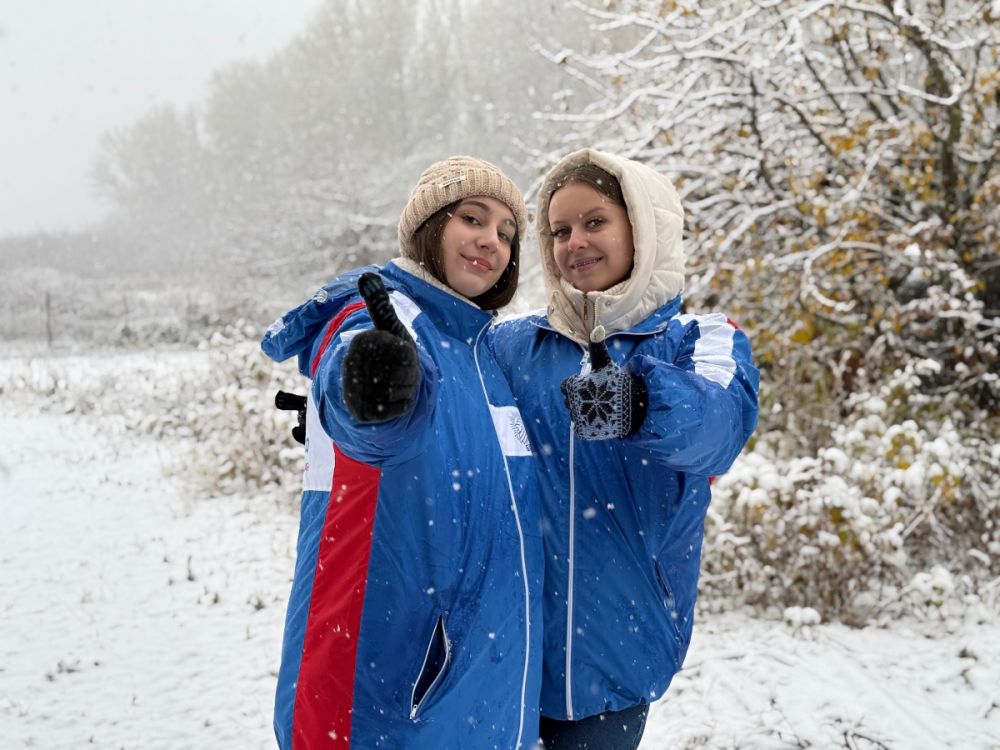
[(135, 617)]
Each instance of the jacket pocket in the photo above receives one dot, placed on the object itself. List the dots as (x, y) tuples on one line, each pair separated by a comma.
[(433, 670), (670, 604)]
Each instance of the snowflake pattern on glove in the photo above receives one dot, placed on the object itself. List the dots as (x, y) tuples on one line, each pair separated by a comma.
[(605, 403)]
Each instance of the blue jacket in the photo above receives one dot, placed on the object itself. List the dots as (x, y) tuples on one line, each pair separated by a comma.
[(623, 520), (414, 616)]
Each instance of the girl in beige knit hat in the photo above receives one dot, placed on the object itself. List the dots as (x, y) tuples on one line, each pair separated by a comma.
[(441, 230), (414, 617)]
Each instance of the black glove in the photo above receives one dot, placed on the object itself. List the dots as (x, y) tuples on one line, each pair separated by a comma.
[(293, 402), (608, 402), (381, 369)]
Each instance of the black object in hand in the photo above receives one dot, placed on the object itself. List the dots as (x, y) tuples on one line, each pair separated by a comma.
[(608, 402), (293, 402), (381, 369)]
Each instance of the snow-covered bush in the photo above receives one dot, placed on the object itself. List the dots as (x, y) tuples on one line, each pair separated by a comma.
[(216, 404), (241, 441), (899, 513), (59, 312)]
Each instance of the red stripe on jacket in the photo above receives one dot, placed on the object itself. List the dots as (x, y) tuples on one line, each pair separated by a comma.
[(324, 693), (332, 329)]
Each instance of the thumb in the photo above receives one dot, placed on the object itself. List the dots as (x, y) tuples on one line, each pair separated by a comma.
[(599, 355), (379, 307)]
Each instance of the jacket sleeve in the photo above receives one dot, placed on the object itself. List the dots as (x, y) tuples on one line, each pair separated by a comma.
[(703, 402), (387, 442)]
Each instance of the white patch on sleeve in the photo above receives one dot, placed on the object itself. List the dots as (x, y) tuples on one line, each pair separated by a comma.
[(318, 474), (713, 351), (510, 429), (276, 327), (406, 310)]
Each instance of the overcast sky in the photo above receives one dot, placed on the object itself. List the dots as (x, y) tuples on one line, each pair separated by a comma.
[(72, 69)]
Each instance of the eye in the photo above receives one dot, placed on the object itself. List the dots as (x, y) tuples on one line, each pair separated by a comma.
[(595, 223), (560, 233), (470, 219), (505, 237)]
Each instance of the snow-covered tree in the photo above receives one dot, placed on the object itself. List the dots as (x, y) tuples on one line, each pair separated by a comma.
[(838, 161), (307, 157), (155, 168)]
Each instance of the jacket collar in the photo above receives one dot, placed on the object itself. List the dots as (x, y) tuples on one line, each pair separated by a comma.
[(653, 323), (450, 311)]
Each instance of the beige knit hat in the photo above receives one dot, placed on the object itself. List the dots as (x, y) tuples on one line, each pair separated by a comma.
[(452, 180)]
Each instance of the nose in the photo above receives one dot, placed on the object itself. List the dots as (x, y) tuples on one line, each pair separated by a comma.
[(489, 239), (578, 239)]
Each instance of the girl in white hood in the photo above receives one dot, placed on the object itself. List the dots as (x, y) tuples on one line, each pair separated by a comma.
[(631, 406)]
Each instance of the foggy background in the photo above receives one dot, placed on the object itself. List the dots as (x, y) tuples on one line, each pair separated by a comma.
[(188, 135), (72, 71)]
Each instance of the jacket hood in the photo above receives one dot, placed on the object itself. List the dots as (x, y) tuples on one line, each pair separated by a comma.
[(658, 274), (295, 332)]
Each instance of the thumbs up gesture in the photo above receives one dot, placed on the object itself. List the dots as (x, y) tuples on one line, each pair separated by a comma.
[(607, 402), (381, 371)]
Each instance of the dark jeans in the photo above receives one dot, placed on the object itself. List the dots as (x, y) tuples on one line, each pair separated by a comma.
[(612, 730)]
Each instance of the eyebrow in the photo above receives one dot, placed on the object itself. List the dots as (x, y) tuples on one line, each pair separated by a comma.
[(487, 209)]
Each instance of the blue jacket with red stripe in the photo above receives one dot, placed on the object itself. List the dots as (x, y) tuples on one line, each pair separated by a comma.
[(414, 616), (624, 519)]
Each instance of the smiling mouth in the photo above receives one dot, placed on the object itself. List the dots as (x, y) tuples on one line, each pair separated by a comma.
[(480, 264), (581, 265)]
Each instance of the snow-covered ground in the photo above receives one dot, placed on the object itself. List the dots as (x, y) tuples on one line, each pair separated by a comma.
[(131, 617), (134, 617)]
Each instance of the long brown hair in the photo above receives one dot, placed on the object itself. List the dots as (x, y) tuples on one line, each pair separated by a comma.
[(427, 252)]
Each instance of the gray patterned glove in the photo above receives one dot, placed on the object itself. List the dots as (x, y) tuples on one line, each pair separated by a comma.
[(608, 402)]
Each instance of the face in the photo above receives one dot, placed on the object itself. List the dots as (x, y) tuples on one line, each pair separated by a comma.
[(476, 245), (592, 237)]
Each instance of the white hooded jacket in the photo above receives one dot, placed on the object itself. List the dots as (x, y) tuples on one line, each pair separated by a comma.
[(623, 519), (657, 225)]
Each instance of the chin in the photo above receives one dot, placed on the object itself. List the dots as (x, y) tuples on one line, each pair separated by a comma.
[(470, 290), (589, 286)]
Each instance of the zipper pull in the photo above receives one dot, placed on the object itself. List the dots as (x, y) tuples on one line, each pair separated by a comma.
[(589, 312)]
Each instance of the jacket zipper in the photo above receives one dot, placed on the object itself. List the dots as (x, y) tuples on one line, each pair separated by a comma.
[(589, 314), (571, 554), (520, 537), (570, 561), (439, 634)]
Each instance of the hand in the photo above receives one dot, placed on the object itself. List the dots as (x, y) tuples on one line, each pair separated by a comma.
[(381, 370), (608, 402), (294, 402)]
